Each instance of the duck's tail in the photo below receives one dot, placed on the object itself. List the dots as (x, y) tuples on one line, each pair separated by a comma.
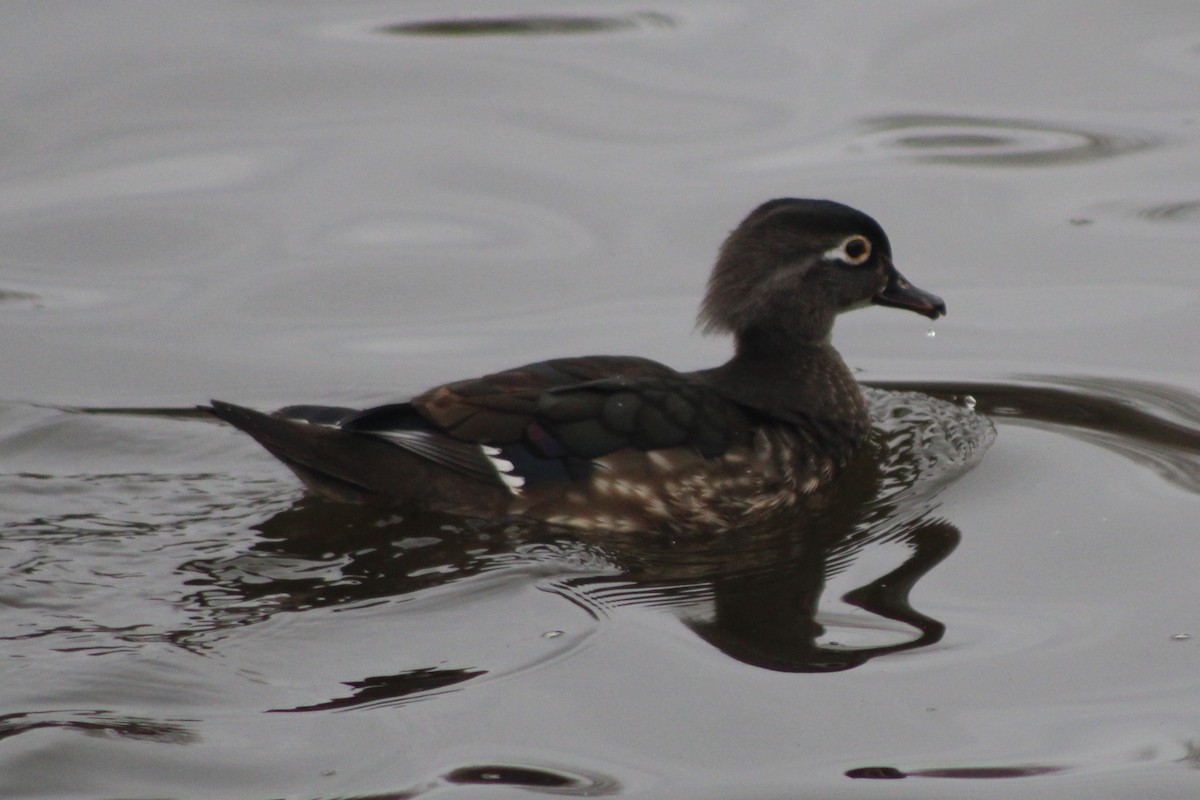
[(335, 463)]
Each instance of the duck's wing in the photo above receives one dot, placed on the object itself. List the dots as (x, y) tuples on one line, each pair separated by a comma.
[(539, 423), (569, 410)]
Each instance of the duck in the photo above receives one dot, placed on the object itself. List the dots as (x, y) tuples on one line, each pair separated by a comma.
[(624, 443)]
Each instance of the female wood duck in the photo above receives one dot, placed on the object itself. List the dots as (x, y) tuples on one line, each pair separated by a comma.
[(624, 443)]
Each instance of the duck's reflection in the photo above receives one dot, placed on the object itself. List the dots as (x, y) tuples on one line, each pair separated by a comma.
[(762, 595), (756, 594), (770, 620), (761, 609)]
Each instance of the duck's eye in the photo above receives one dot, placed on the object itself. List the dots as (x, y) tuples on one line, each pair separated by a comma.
[(855, 250)]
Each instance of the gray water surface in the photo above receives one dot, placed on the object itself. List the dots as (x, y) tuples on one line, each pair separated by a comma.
[(275, 203)]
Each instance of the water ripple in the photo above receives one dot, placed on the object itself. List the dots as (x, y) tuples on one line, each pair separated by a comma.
[(1180, 54), (1151, 425), (96, 722), (1166, 212), (21, 299), (1187, 211), (535, 777), (530, 25), (997, 142)]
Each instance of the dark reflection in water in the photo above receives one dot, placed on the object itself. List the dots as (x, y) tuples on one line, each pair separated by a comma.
[(555, 781), (97, 723), (769, 620), (972, 773), (530, 25), (997, 142), (394, 689), (535, 777)]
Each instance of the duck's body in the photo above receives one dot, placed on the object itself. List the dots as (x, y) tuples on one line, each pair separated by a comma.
[(608, 442), (624, 443)]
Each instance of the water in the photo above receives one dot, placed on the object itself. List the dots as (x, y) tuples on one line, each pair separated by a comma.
[(275, 203)]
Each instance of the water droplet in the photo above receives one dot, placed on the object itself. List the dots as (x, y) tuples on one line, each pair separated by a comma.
[(1181, 637), (931, 333), (552, 634), (968, 402)]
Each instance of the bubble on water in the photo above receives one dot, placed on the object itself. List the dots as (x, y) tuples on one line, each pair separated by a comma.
[(931, 333), (552, 634), (1180, 637)]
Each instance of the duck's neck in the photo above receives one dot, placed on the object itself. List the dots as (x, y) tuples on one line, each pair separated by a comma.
[(789, 376)]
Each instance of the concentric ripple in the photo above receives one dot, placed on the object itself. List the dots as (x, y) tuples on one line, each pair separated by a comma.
[(534, 777), (998, 142)]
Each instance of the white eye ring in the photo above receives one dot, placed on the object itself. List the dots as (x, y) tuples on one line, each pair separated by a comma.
[(860, 245)]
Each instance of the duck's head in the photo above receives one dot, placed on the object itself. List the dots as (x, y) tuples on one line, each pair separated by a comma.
[(793, 265)]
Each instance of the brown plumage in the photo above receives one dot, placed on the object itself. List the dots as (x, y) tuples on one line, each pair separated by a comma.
[(625, 443)]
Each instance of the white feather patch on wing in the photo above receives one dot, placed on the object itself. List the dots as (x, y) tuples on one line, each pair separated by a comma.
[(476, 460), (504, 469)]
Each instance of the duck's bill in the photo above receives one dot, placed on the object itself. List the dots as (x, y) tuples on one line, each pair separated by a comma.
[(899, 293)]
